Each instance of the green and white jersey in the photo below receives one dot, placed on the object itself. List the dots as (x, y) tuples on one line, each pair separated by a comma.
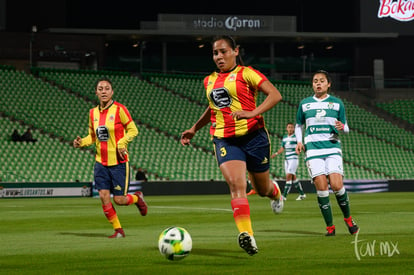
[(319, 116), (289, 144)]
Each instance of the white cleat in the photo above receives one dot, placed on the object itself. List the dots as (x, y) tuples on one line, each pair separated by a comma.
[(301, 197), (277, 204)]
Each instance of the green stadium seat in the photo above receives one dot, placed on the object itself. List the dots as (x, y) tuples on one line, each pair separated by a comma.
[(367, 149)]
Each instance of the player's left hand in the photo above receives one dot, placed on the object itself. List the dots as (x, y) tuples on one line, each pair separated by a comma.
[(339, 125), (242, 114)]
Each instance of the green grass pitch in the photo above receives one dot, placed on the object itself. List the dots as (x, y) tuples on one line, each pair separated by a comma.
[(69, 236)]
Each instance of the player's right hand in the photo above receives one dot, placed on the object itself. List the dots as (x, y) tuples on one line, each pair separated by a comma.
[(77, 142), (186, 136)]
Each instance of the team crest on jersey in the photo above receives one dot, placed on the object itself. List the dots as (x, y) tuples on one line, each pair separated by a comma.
[(220, 97), (330, 105), (232, 77), (102, 133), (111, 118)]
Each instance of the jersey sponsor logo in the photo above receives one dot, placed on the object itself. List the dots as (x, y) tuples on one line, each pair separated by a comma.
[(320, 115), (323, 129), (220, 97), (102, 133)]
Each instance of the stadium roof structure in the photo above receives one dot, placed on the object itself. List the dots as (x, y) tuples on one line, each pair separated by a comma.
[(269, 36)]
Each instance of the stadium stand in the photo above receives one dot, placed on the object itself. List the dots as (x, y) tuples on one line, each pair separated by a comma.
[(404, 109), (55, 104), (373, 136), (47, 160)]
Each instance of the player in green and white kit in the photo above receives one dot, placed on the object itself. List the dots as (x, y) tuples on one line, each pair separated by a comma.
[(291, 161), (323, 117)]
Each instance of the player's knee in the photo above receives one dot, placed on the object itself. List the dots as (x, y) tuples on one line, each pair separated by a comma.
[(119, 200), (264, 191), (261, 193)]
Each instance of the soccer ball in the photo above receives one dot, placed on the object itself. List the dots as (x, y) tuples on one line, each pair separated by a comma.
[(175, 243)]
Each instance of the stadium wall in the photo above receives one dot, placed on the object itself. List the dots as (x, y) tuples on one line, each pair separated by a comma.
[(45, 190), (160, 188)]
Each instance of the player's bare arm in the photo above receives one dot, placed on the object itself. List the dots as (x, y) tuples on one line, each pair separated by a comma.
[(187, 135), (273, 97)]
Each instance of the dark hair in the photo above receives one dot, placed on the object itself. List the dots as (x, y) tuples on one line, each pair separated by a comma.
[(290, 122), (102, 79), (328, 77), (230, 40), (232, 43)]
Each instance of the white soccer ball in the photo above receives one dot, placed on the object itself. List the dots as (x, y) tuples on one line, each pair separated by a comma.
[(175, 243)]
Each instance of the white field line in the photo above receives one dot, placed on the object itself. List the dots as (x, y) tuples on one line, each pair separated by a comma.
[(191, 208)]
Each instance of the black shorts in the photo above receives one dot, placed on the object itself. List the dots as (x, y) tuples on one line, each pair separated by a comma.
[(114, 178), (253, 148)]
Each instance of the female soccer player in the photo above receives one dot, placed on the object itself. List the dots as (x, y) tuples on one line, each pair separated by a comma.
[(111, 128), (324, 119), (291, 161), (241, 142)]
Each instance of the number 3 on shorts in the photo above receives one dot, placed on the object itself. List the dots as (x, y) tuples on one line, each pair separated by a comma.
[(223, 152)]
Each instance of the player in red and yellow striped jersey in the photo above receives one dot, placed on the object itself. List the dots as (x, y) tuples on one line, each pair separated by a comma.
[(233, 91), (111, 128), (240, 139)]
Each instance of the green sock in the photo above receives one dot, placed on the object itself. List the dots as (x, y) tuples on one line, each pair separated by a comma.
[(343, 202), (298, 187), (325, 207), (287, 188)]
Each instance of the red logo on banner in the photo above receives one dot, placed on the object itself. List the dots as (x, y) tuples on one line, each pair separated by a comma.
[(401, 10)]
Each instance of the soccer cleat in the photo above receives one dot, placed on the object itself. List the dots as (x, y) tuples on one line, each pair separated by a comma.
[(248, 243), (330, 231), (277, 204), (119, 233), (141, 205), (251, 192), (301, 197), (352, 226)]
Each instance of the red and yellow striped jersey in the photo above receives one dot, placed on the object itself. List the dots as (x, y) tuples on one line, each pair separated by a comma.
[(110, 128), (232, 91)]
